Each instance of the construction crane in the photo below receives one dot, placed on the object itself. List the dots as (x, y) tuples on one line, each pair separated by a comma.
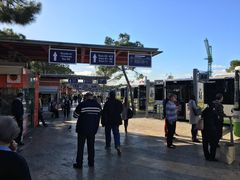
[(209, 58)]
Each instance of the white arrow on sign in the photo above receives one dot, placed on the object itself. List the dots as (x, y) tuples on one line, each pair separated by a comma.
[(55, 56), (94, 58)]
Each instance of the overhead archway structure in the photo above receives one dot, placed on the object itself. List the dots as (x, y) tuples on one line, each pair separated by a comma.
[(62, 52), (78, 82), (15, 55)]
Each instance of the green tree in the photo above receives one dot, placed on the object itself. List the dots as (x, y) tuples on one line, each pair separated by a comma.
[(9, 33), (233, 64), (106, 71), (24, 12), (46, 68), (119, 71), (19, 11)]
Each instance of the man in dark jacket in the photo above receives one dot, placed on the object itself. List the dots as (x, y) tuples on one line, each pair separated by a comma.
[(88, 114), (111, 119), (210, 132), (17, 112)]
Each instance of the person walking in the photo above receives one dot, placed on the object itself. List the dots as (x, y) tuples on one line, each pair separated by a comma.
[(193, 117), (88, 114), (210, 132), (111, 120), (40, 112), (220, 112), (66, 108), (54, 108), (164, 116), (125, 113), (17, 112), (12, 165), (171, 117)]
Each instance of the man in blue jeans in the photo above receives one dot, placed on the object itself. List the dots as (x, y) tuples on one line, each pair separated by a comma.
[(111, 119)]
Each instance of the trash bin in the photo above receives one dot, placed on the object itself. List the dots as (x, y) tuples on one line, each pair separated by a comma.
[(227, 153)]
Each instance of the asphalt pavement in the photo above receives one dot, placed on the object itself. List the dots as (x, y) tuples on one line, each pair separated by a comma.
[(51, 152)]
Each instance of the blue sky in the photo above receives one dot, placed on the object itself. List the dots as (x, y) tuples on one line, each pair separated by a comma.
[(177, 27)]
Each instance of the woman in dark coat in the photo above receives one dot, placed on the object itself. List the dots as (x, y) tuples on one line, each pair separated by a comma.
[(193, 117), (125, 113)]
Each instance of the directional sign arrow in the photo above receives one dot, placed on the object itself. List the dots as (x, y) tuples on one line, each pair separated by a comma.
[(94, 58), (54, 56)]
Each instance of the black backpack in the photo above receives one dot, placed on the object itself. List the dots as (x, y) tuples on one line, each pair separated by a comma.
[(210, 118)]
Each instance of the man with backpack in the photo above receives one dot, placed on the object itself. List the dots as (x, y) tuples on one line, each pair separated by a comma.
[(210, 132), (88, 114), (66, 107), (220, 112)]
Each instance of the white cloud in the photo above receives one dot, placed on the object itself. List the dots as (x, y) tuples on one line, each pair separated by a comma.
[(175, 75), (90, 67), (217, 66), (86, 73), (82, 68), (219, 70), (145, 71), (184, 75)]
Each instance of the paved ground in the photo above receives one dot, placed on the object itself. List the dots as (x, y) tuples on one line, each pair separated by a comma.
[(51, 151)]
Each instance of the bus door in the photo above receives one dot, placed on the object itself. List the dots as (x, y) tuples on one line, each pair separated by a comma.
[(142, 97), (159, 97)]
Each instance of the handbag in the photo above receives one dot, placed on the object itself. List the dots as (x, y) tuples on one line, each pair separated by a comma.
[(130, 113), (200, 124), (227, 153)]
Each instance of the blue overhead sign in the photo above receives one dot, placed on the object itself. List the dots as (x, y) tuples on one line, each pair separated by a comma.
[(87, 81), (73, 80), (139, 60), (66, 56), (102, 58), (102, 81)]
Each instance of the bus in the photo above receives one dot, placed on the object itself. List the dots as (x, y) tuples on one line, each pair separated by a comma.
[(183, 88)]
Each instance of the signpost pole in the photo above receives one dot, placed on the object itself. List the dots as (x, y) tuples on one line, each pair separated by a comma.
[(147, 94), (195, 83)]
